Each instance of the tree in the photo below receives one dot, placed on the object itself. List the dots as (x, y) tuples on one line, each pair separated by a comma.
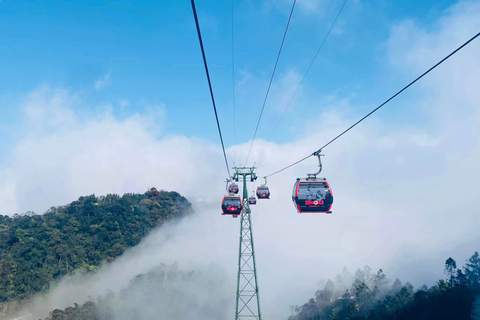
[(359, 275), (461, 278), (325, 297), (397, 286), (368, 275), (364, 298), (450, 270), (423, 288), (379, 282), (472, 271)]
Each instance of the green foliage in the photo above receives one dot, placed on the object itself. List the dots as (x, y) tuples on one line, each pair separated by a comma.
[(370, 298), (87, 311), (37, 249)]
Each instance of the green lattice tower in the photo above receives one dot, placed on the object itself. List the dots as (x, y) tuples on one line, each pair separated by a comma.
[(248, 299)]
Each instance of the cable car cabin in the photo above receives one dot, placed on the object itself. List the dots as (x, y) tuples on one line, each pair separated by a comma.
[(312, 195), (252, 200), (263, 192), (233, 188), (232, 205)]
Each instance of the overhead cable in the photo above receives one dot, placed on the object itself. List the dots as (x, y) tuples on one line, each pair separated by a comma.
[(270, 84), (308, 69), (233, 80), (209, 84), (374, 110)]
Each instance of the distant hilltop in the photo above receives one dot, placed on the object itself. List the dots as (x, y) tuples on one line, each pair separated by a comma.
[(36, 250)]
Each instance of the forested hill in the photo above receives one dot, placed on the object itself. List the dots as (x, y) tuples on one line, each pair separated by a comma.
[(371, 296), (37, 249)]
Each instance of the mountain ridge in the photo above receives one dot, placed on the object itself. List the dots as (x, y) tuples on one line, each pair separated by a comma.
[(36, 250)]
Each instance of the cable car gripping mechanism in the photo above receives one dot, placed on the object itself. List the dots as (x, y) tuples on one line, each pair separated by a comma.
[(227, 181), (314, 175)]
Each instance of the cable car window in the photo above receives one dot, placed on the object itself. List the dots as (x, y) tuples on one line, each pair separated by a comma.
[(313, 191), (232, 202)]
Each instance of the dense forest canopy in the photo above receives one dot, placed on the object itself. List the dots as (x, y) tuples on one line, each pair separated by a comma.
[(371, 296), (37, 249)]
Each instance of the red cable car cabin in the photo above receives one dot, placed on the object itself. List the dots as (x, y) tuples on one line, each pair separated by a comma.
[(252, 200), (263, 192), (312, 195), (233, 188), (232, 205)]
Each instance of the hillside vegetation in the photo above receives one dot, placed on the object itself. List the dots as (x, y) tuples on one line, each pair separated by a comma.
[(37, 249), (371, 296)]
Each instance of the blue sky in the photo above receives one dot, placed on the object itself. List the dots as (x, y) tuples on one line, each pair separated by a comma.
[(149, 55)]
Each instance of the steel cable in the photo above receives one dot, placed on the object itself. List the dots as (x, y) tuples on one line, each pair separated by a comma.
[(209, 83), (384, 103), (270, 84), (308, 69)]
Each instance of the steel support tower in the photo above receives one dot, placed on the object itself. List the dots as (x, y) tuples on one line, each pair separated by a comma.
[(248, 300)]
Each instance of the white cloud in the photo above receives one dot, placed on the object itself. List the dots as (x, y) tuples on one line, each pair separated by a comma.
[(304, 6), (283, 89), (46, 108), (61, 148), (167, 245), (423, 140), (339, 27), (414, 49), (102, 81), (310, 6), (124, 103)]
